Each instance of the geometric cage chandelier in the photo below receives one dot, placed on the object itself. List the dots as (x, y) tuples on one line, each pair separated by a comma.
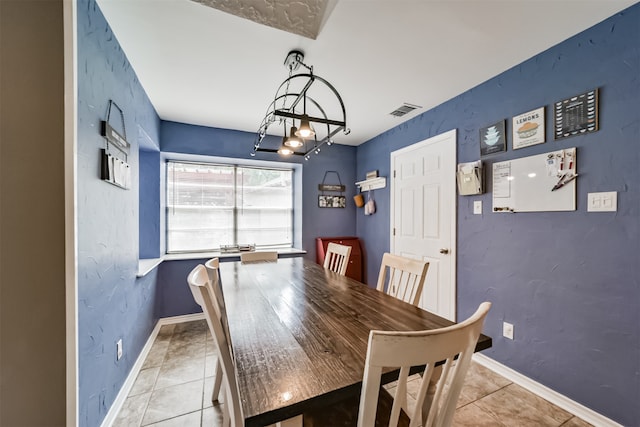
[(299, 109)]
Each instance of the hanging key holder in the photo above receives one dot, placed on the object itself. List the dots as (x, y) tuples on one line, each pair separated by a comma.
[(331, 200), (112, 136), (114, 168)]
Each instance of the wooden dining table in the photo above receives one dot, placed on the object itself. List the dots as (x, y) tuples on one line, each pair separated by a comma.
[(299, 334)]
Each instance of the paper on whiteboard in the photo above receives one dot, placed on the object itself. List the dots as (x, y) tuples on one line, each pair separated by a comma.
[(502, 180)]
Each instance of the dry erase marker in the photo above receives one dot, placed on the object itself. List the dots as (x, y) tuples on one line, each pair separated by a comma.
[(564, 183), (570, 179), (559, 183)]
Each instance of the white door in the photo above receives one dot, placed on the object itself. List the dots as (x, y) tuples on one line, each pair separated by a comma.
[(423, 215)]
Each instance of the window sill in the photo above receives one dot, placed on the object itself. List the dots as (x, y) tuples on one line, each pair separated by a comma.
[(147, 265)]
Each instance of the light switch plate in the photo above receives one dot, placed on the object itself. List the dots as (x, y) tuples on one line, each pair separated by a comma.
[(507, 330), (477, 207), (602, 202)]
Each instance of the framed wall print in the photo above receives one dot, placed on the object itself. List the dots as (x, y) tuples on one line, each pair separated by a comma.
[(528, 129), (576, 115), (328, 200), (332, 201), (493, 139)]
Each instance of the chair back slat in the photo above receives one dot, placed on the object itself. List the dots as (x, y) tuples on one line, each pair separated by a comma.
[(402, 277), (337, 258), (201, 289), (392, 349), (215, 288), (212, 267), (260, 256)]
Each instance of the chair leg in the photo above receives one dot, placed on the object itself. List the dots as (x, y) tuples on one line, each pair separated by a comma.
[(217, 382), (226, 417)]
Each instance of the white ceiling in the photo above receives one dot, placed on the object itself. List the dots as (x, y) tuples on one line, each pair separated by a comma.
[(203, 66)]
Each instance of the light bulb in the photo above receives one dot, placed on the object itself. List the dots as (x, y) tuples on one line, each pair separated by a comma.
[(285, 151), (293, 140), (305, 131)]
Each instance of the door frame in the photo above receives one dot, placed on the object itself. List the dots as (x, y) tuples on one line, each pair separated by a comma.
[(449, 135), (70, 23)]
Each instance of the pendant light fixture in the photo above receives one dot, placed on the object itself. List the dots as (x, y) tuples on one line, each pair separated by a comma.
[(294, 140), (304, 139), (305, 131)]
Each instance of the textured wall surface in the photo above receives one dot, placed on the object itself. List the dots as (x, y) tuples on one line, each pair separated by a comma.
[(112, 303), (189, 139), (175, 298), (568, 281), (150, 211)]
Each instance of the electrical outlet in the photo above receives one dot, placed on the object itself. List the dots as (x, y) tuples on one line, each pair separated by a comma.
[(119, 349), (507, 330), (477, 207)]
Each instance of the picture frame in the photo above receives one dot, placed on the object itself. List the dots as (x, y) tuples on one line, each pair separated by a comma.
[(576, 115), (528, 129), (493, 138), (326, 201)]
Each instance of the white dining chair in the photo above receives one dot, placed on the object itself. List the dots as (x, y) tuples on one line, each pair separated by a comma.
[(402, 277), (204, 282), (337, 258), (198, 280), (259, 256), (453, 345), (214, 284)]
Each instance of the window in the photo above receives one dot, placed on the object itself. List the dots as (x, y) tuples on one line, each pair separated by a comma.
[(209, 205)]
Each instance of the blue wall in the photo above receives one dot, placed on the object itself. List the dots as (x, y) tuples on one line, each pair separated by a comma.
[(175, 298), (190, 139), (117, 226), (150, 210), (568, 281), (112, 303)]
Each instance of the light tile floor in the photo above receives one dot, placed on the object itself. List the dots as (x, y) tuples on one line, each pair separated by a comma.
[(173, 389)]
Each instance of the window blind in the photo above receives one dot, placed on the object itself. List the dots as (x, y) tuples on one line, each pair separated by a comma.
[(209, 205)]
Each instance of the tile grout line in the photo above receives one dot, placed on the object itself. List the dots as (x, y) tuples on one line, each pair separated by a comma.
[(153, 387), (164, 360), (155, 382), (173, 418)]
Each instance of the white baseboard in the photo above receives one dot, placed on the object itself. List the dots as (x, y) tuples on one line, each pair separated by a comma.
[(180, 319), (546, 393), (135, 370)]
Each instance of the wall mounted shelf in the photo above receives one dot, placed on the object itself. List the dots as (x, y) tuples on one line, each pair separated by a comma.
[(372, 183)]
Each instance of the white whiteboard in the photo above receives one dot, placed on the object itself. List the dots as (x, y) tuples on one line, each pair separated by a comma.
[(525, 184)]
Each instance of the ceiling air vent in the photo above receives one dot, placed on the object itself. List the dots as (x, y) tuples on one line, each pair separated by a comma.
[(404, 109)]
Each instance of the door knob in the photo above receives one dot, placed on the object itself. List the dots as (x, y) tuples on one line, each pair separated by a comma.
[(444, 251)]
